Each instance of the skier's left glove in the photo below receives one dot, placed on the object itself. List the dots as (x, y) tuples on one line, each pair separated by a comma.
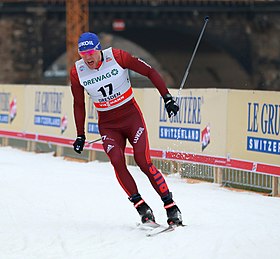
[(171, 106), (79, 143)]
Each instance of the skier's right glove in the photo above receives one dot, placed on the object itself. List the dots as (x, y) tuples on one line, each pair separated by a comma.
[(79, 143), (171, 106)]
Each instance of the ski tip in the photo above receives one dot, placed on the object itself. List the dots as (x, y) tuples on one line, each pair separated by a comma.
[(180, 225), (177, 224)]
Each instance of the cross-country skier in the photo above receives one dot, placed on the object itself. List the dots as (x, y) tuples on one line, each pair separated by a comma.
[(103, 74)]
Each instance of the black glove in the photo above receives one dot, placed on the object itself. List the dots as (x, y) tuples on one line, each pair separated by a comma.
[(170, 105), (79, 143)]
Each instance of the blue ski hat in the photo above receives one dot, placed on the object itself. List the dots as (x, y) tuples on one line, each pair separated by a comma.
[(88, 40)]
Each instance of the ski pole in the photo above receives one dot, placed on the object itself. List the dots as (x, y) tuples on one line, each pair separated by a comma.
[(95, 140), (195, 49)]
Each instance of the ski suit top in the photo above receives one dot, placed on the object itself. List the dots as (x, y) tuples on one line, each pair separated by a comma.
[(109, 85)]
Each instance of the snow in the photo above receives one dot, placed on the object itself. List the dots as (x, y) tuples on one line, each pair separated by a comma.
[(52, 208)]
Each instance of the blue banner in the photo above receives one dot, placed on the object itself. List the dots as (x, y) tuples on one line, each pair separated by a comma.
[(179, 133), (263, 145)]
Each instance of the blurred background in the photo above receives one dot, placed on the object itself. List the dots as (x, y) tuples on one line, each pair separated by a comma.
[(240, 48)]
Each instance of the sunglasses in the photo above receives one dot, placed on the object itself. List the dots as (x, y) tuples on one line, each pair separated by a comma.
[(87, 52)]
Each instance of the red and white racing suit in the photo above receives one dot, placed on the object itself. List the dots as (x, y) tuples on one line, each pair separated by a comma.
[(119, 116)]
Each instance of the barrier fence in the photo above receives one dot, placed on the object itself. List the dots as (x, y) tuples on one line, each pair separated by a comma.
[(224, 176), (229, 137)]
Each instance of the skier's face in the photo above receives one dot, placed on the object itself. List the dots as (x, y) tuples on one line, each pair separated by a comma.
[(91, 57)]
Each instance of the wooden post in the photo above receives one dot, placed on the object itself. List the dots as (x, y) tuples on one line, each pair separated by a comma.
[(173, 167), (91, 155), (275, 186), (128, 161), (5, 142), (218, 175), (59, 150), (31, 146)]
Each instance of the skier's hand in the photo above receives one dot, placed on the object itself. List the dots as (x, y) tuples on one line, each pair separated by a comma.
[(79, 143), (171, 106)]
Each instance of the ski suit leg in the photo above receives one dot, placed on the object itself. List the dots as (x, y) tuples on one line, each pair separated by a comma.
[(114, 146), (138, 137)]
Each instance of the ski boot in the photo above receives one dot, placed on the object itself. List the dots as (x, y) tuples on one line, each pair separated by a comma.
[(143, 208), (174, 215)]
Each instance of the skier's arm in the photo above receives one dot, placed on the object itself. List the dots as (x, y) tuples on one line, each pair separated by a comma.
[(79, 102), (126, 60)]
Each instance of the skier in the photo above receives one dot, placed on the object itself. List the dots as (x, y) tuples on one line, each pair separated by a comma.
[(103, 74)]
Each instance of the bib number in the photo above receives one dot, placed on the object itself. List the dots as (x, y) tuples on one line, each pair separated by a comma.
[(106, 90)]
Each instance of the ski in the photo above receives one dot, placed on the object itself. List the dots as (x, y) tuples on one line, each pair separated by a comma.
[(149, 225), (155, 228), (170, 228)]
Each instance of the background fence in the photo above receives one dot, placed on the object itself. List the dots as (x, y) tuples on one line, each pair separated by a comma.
[(229, 137)]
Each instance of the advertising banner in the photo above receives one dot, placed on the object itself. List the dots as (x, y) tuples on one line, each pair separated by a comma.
[(12, 112), (199, 127), (254, 126), (49, 110), (229, 128)]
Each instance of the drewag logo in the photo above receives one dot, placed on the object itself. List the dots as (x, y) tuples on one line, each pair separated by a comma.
[(264, 127), (100, 78)]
